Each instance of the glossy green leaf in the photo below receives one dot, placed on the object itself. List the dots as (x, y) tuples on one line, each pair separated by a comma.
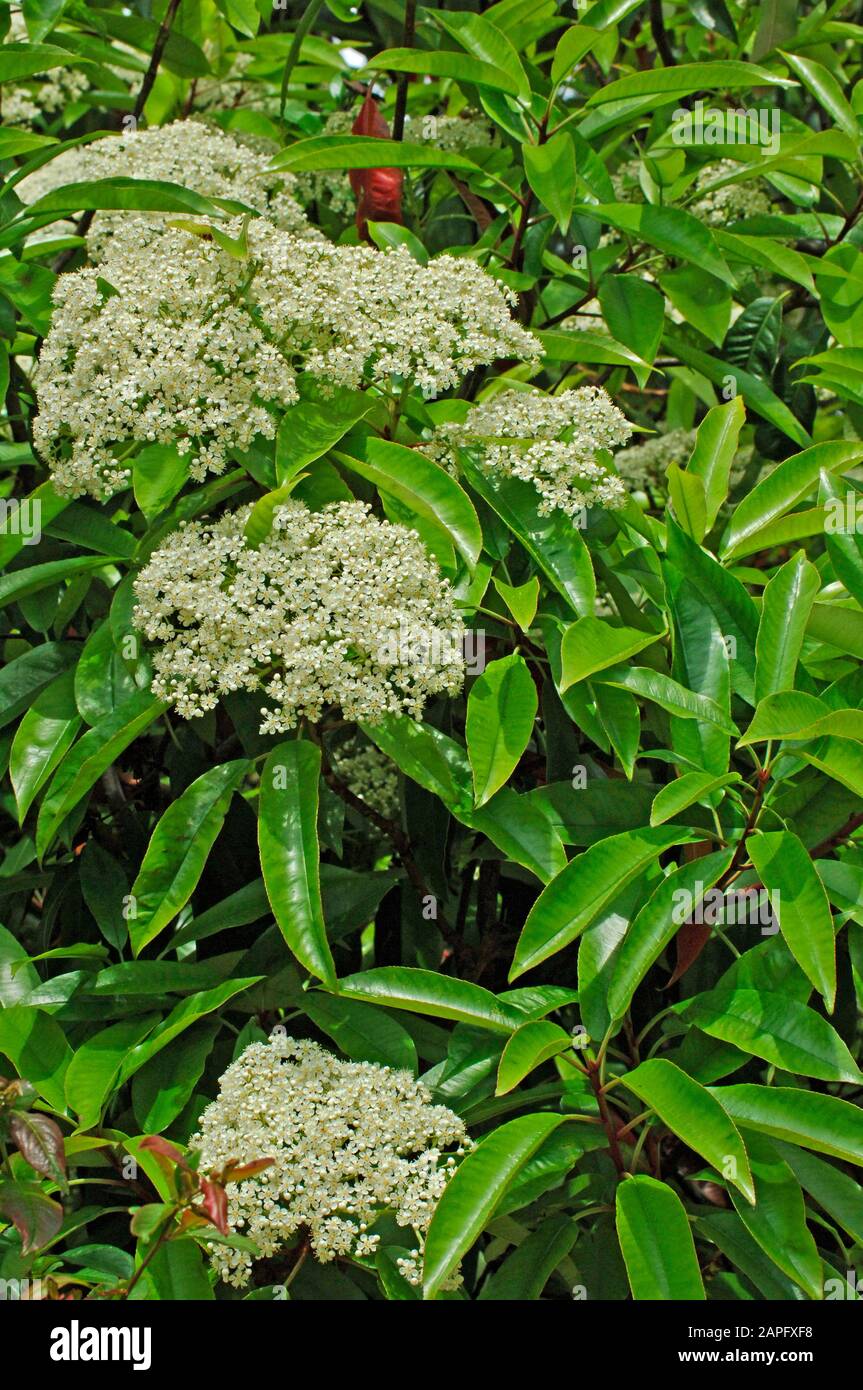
[(656, 1241), (501, 708), (800, 904)]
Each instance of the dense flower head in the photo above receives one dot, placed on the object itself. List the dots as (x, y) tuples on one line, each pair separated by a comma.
[(194, 155), (369, 774), (731, 203), (335, 608), (350, 1140), (180, 342), (645, 465), (549, 441)]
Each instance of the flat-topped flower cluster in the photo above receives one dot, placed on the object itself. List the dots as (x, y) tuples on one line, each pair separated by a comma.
[(349, 1140), (181, 342), (335, 608), (549, 441), (190, 153)]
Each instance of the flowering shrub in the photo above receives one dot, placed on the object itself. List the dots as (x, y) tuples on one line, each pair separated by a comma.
[(431, 598)]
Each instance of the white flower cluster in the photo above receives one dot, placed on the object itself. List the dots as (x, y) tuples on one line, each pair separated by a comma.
[(731, 203), (645, 465), (549, 441), (335, 608), (46, 94), (350, 1141), (369, 774), (194, 344), (196, 156)]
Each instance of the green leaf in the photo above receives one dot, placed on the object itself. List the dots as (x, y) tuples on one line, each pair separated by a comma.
[(119, 194), (684, 791), (21, 60), (839, 1195), (95, 1067), (484, 40), (590, 645), (713, 454), (685, 78), (178, 850), (520, 599), (782, 1031), (23, 680), (695, 1116), (785, 610), (757, 396), (589, 884), (365, 152), (550, 170), (777, 1220), (656, 1241), (444, 63), (309, 430), (526, 1271), (844, 545), (162, 1089), (634, 311), (183, 1016), (422, 486), (362, 1031), (808, 1118), (288, 843), (531, 1045), (826, 91), (470, 1198), (36, 1046), (667, 693), (501, 708), (552, 541), (42, 739), (800, 903), (158, 473), (427, 992), (657, 923), (89, 758), (787, 484), (671, 230)]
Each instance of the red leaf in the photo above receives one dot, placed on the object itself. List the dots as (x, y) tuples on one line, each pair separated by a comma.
[(162, 1149), (215, 1204), (40, 1141), (378, 191), (690, 941)]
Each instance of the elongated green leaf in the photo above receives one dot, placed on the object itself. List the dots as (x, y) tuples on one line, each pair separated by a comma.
[(785, 610), (183, 1016), (777, 1220), (684, 791), (42, 738), (808, 1118), (671, 230), (656, 1241), (590, 645), (36, 1046), (786, 484), (89, 758), (423, 487), (781, 1030), (525, 1273), (695, 1116), (95, 1067), (364, 152), (588, 885), (713, 453), (23, 680), (550, 170), (684, 78), (362, 1031), (470, 1198), (178, 851), (501, 709), (462, 67), (800, 903), (672, 903), (667, 693), (426, 992), (288, 843), (527, 1049)]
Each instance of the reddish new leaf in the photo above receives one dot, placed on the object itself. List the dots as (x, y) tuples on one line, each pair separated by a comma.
[(40, 1141), (36, 1218), (215, 1204), (378, 191)]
